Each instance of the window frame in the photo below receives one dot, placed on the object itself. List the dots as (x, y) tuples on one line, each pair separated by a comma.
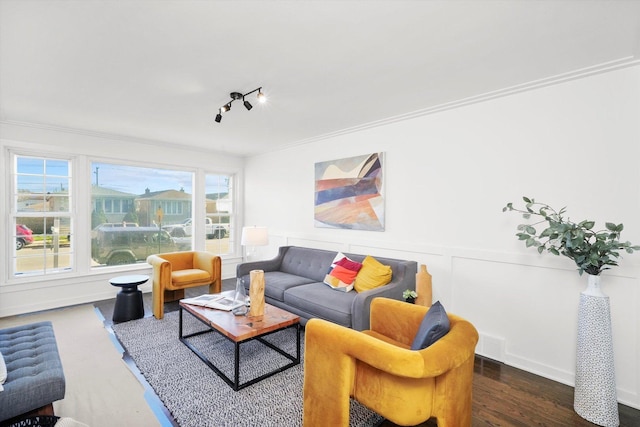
[(80, 212), (13, 214)]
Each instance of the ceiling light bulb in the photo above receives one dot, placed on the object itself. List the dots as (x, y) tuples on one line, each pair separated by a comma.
[(261, 97)]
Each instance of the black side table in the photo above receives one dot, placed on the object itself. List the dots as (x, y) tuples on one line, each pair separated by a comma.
[(129, 305)]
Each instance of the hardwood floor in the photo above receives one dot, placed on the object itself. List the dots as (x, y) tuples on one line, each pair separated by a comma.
[(503, 396), (506, 396)]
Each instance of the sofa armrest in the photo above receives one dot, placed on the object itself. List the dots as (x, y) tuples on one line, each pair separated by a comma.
[(361, 306), (273, 264)]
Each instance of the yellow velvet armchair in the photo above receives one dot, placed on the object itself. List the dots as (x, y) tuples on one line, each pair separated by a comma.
[(175, 271), (377, 368)]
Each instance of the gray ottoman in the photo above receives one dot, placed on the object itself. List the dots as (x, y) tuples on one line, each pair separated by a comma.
[(34, 372)]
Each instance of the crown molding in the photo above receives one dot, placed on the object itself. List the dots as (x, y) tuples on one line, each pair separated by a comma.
[(112, 136), (606, 67)]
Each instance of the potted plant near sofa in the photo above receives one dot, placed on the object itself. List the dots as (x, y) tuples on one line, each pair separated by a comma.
[(410, 296), (593, 251)]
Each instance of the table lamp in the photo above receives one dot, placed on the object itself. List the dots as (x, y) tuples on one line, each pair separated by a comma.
[(252, 237)]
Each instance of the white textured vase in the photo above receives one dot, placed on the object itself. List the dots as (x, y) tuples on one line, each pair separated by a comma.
[(595, 396)]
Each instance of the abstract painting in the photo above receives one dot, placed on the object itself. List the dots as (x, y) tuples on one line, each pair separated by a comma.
[(349, 193)]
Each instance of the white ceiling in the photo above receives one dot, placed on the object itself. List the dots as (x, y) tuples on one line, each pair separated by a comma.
[(159, 69)]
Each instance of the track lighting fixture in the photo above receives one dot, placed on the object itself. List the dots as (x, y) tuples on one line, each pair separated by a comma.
[(237, 95)]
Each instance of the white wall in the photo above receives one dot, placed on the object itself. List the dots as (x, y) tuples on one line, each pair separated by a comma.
[(449, 174), (85, 285)]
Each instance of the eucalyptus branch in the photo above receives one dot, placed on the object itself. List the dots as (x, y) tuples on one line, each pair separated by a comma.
[(592, 251)]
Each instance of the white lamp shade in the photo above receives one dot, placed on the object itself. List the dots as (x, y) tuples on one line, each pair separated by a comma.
[(254, 236)]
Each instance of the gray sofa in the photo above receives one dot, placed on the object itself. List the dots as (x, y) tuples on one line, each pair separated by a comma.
[(294, 282), (35, 378)]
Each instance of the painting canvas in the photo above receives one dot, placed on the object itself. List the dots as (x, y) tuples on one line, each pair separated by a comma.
[(349, 193)]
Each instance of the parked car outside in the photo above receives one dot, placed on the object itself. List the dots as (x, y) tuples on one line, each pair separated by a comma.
[(24, 236), (116, 224), (128, 245), (110, 225), (185, 229)]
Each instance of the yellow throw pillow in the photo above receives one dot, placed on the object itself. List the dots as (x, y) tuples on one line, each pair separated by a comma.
[(372, 275)]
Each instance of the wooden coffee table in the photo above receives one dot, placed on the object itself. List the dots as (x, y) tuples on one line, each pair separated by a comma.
[(239, 330)]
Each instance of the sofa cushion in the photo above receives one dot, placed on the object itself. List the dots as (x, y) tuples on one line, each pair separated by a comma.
[(277, 282), (189, 277), (372, 275), (435, 324), (319, 300), (35, 376), (306, 262), (349, 264), (342, 273)]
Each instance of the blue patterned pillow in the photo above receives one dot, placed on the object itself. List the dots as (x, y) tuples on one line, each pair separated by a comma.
[(435, 324)]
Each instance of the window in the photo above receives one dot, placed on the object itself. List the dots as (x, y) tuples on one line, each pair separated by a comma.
[(41, 214), (136, 212), (219, 212)]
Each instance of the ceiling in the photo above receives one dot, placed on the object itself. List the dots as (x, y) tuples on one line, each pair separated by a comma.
[(159, 70)]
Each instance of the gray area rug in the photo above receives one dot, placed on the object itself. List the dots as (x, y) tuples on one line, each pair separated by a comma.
[(196, 396)]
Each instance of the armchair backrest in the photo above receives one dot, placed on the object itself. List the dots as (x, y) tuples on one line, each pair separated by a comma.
[(179, 260), (175, 271), (377, 368)]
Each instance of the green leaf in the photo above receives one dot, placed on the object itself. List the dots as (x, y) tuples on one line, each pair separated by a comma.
[(547, 232), (591, 250), (587, 224)]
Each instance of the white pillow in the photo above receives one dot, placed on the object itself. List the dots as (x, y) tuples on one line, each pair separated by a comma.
[(3, 372), (341, 281)]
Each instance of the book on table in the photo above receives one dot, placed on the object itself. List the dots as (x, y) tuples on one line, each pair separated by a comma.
[(222, 301)]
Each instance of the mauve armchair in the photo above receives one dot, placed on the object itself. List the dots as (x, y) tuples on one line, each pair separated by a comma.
[(173, 272), (378, 369)]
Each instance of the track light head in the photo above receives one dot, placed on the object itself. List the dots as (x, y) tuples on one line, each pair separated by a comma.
[(236, 96)]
